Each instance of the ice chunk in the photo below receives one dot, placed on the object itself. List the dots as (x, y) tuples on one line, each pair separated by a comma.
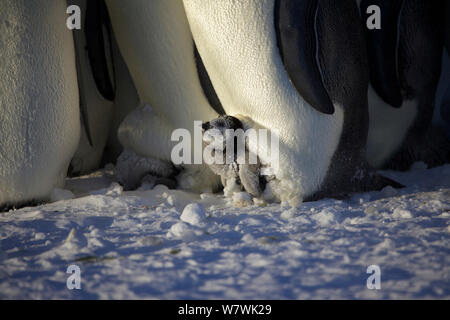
[(402, 213), (181, 230)]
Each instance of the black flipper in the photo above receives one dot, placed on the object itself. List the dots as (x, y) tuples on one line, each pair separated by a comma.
[(97, 24), (445, 105), (82, 100), (85, 118), (295, 23), (382, 47), (447, 26), (207, 86)]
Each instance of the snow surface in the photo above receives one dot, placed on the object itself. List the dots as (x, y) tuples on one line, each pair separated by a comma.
[(148, 244)]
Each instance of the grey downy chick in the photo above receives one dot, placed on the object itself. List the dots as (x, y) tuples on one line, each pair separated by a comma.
[(247, 175)]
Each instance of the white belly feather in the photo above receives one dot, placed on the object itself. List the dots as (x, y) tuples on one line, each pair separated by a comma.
[(388, 127)]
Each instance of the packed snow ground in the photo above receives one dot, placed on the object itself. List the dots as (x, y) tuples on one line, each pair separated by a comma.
[(148, 244)]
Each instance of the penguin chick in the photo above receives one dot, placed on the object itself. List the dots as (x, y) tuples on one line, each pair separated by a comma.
[(246, 175)]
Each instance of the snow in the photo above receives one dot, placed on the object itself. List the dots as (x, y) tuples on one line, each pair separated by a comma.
[(170, 244), (242, 199), (194, 214)]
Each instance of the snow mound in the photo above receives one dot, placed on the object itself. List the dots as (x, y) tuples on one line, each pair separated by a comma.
[(242, 199), (194, 214)]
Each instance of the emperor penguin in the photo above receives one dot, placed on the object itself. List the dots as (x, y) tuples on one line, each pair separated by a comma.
[(298, 67), (156, 43), (107, 92), (405, 56), (445, 103), (96, 86), (39, 104)]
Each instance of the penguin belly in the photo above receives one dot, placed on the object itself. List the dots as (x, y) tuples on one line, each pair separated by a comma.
[(238, 44), (39, 109), (388, 127)]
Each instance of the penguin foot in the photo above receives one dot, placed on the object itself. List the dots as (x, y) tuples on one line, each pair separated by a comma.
[(364, 180), (379, 182)]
